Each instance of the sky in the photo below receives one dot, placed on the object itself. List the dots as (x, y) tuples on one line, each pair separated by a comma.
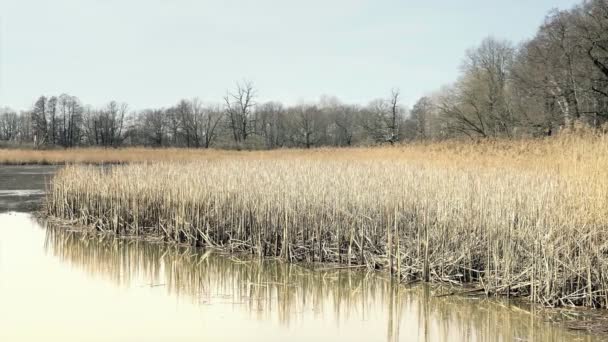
[(152, 53)]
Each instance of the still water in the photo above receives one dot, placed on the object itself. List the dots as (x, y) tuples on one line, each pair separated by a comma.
[(61, 285), (57, 285), (22, 187)]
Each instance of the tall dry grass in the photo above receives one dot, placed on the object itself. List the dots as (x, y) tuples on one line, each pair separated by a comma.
[(520, 153), (526, 218), (103, 155)]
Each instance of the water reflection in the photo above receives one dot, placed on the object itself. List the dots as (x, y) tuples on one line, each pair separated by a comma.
[(332, 304)]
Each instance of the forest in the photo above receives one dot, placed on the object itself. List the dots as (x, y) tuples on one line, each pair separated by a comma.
[(556, 80)]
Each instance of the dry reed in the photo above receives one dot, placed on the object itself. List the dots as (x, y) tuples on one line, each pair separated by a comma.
[(526, 218)]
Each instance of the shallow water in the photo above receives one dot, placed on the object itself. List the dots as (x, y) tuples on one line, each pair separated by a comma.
[(58, 285), (22, 187)]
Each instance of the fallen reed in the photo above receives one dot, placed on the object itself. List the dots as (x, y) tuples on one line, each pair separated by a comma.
[(526, 218)]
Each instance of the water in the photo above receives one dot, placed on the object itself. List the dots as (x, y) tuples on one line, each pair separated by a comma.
[(61, 285), (22, 187)]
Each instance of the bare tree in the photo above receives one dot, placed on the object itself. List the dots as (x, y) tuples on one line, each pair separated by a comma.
[(272, 124), (342, 119), (39, 124), (383, 119), (421, 114), (9, 125), (69, 120), (372, 120), (479, 104), (396, 115), (211, 117), (592, 29), (184, 122), (238, 106), (52, 116), (307, 125), (462, 114), (153, 126), (110, 123)]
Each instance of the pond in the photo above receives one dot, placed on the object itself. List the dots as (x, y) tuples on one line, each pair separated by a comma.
[(58, 284), (22, 187)]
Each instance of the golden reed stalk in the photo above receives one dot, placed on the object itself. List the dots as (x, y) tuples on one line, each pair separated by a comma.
[(520, 218)]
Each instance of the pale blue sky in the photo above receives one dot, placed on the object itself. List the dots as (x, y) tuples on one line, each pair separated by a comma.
[(151, 53)]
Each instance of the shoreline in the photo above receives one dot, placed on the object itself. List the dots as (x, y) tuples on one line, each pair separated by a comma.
[(587, 320)]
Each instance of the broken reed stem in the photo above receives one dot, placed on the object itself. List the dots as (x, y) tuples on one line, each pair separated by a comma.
[(517, 228)]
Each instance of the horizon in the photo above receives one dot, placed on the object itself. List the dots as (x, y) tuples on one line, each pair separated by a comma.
[(151, 55)]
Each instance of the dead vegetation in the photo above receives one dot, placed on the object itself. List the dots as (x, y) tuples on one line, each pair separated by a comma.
[(518, 218)]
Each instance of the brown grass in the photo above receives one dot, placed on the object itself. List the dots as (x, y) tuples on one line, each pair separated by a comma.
[(520, 153), (524, 218)]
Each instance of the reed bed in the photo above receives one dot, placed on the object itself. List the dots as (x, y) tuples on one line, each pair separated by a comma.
[(103, 155), (526, 218), (518, 153)]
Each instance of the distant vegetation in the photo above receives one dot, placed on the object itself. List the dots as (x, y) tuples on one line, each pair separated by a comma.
[(555, 80), (517, 218)]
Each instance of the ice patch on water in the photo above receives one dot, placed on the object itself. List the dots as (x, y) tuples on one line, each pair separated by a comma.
[(36, 173), (21, 193)]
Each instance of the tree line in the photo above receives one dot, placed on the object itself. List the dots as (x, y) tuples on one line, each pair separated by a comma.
[(239, 122), (553, 81)]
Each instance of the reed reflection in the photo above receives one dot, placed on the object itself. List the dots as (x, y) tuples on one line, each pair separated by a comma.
[(272, 290)]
